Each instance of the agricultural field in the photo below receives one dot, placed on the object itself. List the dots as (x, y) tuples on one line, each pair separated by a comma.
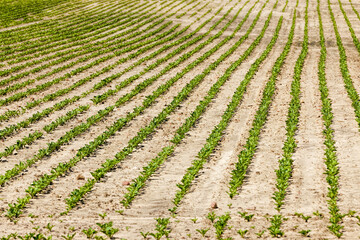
[(179, 119)]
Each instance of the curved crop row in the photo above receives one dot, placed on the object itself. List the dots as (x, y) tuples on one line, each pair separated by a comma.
[(246, 155), (15, 210), (120, 22), (87, 43), (98, 174), (217, 132), (96, 49), (155, 163), (119, 50), (118, 44), (36, 117), (41, 87), (85, 30), (183, 13), (58, 36), (193, 14), (10, 11), (39, 29)]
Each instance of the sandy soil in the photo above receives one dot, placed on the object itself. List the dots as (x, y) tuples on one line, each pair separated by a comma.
[(308, 189)]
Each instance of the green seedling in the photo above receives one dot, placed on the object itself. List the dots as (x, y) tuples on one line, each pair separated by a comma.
[(49, 227), (203, 231), (305, 233), (318, 214), (69, 236), (259, 234), (246, 217), (211, 216), (107, 229), (144, 235), (242, 232), (89, 232)]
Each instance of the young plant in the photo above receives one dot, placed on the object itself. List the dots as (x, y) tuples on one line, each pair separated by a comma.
[(211, 216), (301, 215), (220, 225), (68, 236), (49, 227), (120, 212), (89, 232), (144, 235), (203, 231), (274, 229), (305, 233), (259, 234), (246, 217), (318, 214), (102, 215), (99, 238), (107, 229), (242, 232)]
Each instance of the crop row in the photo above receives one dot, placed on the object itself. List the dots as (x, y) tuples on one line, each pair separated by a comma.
[(46, 85), (284, 172), (63, 119), (100, 98), (98, 174), (118, 50), (118, 44), (21, 144), (12, 11), (26, 141), (349, 86), (38, 30), (86, 49), (167, 151), (37, 116), (59, 53), (193, 14), (15, 210), (15, 54), (183, 13), (355, 11), (45, 27), (46, 112), (216, 134), (245, 156), (353, 35), (65, 35), (332, 169), (23, 84), (120, 22)]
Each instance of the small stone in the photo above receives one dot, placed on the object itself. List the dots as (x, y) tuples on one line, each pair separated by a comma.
[(214, 205), (125, 183), (80, 177)]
